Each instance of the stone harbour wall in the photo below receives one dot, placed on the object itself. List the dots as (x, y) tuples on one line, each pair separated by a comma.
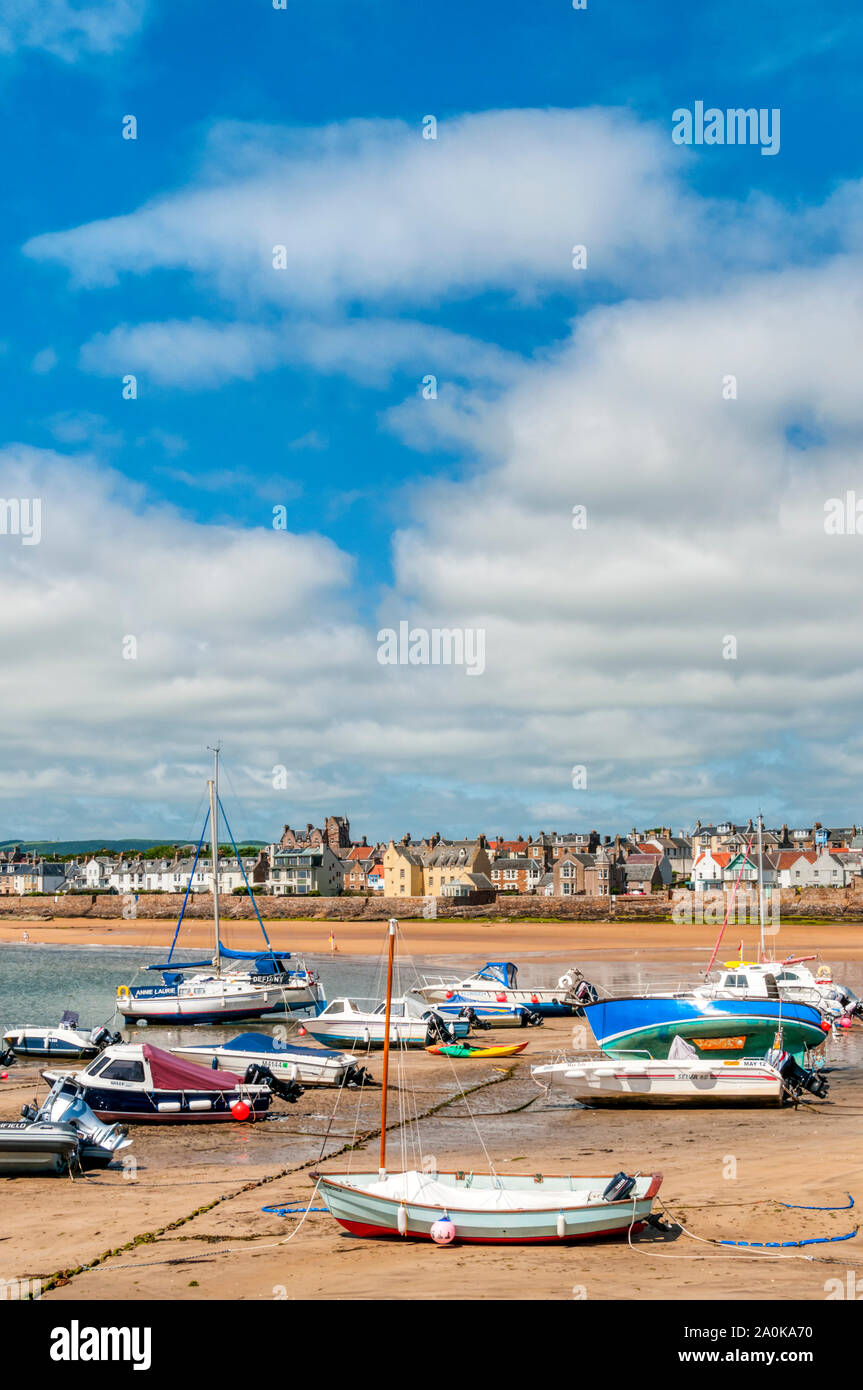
[(831, 904)]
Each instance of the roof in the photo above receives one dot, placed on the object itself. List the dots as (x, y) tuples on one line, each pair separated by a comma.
[(523, 863)]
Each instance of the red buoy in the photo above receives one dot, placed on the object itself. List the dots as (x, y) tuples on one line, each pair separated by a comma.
[(240, 1110)]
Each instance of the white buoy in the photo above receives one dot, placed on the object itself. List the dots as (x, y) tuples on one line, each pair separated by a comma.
[(403, 1221), (561, 1224)]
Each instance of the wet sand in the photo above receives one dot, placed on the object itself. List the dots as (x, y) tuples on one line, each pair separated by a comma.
[(506, 939), (725, 1171)]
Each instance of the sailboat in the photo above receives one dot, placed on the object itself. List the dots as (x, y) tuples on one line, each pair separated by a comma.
[(481, 1207), (220, 995)]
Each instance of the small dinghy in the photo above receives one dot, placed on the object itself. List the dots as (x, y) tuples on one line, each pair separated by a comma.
[(487, 1208), (310, 1066), (465, 1050), (64, 1040), (62, 1134), (147, 1085)]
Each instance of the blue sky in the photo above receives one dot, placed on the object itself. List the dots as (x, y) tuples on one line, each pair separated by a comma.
[(221, 88)]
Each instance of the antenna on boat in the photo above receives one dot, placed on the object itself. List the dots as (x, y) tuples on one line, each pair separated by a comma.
[(388, 1011), (214, 824)]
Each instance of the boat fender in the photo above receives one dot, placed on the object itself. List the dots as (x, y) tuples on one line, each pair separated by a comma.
[(240, 1110), (442, 1232), (215, 1064), (403, 1221), (619, 1188), (561, 1224)]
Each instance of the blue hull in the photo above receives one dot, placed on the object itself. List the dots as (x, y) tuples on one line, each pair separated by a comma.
[(720, 1028)]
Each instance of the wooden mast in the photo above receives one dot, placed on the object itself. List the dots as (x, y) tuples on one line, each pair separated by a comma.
[(214, 828), (392, 942)]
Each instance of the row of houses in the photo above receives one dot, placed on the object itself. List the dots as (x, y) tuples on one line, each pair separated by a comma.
[(327, 862)]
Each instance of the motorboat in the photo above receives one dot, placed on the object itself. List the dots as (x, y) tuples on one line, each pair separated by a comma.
[(61, 1134), (351, 1023), (497, 983), (789, 979), (144, 1084), (682, 1078), (719, 1028), (63, 1040), (310, 1066)]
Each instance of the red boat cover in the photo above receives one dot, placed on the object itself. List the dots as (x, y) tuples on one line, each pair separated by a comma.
[(171, 1073)]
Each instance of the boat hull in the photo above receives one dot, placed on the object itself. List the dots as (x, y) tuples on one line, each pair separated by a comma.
[(559, 1223), (547, 1002), (140, 1106), (33, 1148), (730, 1030), (302, 1064), (607, 1083)]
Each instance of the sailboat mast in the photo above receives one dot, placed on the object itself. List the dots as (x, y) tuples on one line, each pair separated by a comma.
[(388, 1012), (214, 822), (761, 884)]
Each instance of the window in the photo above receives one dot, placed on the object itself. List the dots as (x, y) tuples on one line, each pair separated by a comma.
[(124, 1071)]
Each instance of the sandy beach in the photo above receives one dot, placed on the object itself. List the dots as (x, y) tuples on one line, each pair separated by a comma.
[(185, 1219), (486, 939)]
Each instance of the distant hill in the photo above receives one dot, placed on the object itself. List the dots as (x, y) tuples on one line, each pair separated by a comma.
[(57, 847)]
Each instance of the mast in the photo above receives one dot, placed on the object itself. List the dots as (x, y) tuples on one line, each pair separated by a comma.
[(391, 949), (761, 886), (214, 822)]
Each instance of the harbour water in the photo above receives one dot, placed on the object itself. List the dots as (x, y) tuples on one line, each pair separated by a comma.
[(37, 983)]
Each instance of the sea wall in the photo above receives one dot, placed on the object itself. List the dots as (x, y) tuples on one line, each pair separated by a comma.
[(830, 904)]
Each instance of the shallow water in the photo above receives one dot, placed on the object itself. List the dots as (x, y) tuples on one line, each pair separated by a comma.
[(37, 983)]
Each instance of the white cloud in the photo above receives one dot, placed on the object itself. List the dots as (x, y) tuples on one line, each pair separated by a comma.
[(44, 361), (194, 354), (604, 646), (370, 212), (68, 30)]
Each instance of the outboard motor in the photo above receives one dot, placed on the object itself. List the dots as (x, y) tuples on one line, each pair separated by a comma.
[(101, 1038), (358, 1076), (437, 1030), (530, 1018), (473, 1018), (585, 993), (796, 1078), (619, 1188), (258, 1075), (8, 1058)]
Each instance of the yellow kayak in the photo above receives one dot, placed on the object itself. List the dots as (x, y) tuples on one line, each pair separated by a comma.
[(464, 1050)]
